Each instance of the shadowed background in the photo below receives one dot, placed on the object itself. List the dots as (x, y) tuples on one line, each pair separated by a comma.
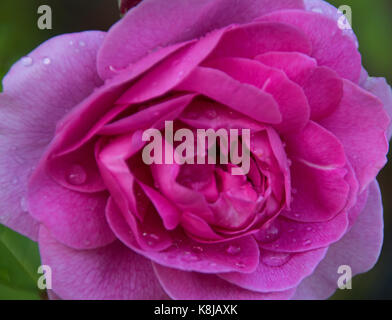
[(19, 34)]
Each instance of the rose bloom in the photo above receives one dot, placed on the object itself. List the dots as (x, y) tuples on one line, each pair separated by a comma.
[(112, 227)]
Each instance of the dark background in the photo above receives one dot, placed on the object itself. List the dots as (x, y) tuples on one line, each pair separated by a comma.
[(372, 22)]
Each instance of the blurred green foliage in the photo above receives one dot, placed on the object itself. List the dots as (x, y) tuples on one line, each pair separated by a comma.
[(19, 258), (19, 262)]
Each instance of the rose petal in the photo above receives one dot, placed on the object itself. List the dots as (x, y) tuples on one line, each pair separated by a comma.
[(291, 99), (360, 123), (113, 272), (198, 286), (189, 255), (127, 42), (240, 97), (73, 218), (328, 41), (277, 271), (359, 249), (37, 93)]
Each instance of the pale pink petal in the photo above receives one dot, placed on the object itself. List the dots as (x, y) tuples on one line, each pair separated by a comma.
[(113, 272), (38, 91)]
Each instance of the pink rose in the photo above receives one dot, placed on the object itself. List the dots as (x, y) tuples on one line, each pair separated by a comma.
[(112, 227)]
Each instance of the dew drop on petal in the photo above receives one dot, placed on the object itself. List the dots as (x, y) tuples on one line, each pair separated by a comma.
[(197, 249), (307, 242), (233, 250), (46, 61), (268, 235), (77, 175), (275, 259), (82, 43), (27, 61), (240, 265), (23, 204)]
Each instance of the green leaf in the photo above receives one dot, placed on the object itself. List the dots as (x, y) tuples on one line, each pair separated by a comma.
[(19, 262)]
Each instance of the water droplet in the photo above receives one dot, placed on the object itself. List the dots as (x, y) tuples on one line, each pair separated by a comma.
[(151, 238), (189, 257), (309, 229), (77, 175), (297, 215), (71, 43), (197, 249), (275, 259), (82, 43), (181, 74), (268, 235), (24, 205), (307, 242), (233, 250), (211, 114), (46, 61), (240, 265), (27, 61)]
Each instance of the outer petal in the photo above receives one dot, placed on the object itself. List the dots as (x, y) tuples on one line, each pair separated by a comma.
[(111, 272), (380, 88), (168, 22), (359, 249), (38, 91), (360, 123), (277, 271), (197, 286), (331, 47)]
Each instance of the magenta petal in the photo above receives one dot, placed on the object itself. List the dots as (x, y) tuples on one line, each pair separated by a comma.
[(318, 194), (189, 255), (153, 116), (181, 285), (277, 271), (73, 218), (295, 65), (359, 249), (240, 97), (38, 91), (361, 123), (253, 39), (289, 96), (324, 90), (313, 146), (328, 41), (207, 114), (111, 272), (294, 236), (127, 42)]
